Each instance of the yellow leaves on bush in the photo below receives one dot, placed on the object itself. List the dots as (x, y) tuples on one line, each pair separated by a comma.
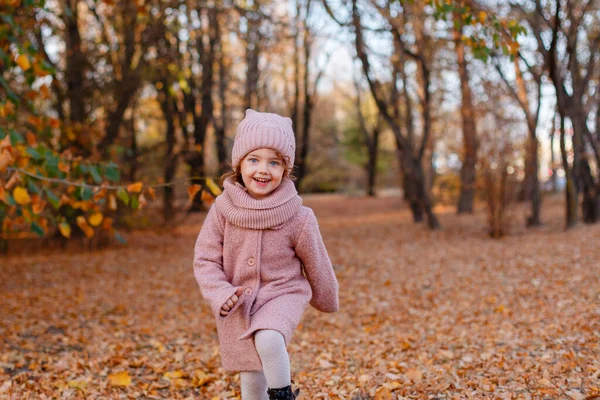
[(482, 17), (120, 379), (65, 229), (95, 219), (21, 196), (85, 228), (213, 187), (192, 191), (135, 187), (23, 62)]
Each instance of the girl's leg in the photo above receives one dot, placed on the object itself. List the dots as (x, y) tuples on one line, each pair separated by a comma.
[(254, 385), (270, 346)]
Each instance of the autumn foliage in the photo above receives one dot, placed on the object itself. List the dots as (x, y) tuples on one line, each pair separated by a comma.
[(446, 314)]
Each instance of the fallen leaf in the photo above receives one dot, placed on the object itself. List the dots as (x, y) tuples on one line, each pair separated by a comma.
[(120, 379)]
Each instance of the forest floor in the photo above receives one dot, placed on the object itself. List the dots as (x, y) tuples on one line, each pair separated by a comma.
[(450, 314)]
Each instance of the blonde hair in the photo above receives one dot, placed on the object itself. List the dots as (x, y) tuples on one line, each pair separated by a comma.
[(236, 172)]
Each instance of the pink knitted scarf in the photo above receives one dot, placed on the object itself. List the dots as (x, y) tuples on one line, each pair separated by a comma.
[(240, 209)]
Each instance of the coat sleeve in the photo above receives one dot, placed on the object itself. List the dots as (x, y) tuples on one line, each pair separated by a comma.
[(311, 251), (208, 265)]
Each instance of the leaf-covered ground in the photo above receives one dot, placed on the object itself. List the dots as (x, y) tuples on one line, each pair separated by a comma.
[(424, 315)]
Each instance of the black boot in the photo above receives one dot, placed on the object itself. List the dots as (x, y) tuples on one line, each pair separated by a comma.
[(283, 393)]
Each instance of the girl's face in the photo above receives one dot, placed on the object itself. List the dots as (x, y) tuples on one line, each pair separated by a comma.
[(262, 171)]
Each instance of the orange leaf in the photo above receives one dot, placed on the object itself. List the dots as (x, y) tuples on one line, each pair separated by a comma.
[(12, 181), (21, 196), (63, 167), (99, 194), (23, 62), (120, 379), (38, 205), (5, 160), (31, 140), (135, 187), (95, 219), (107, 223), (65, 229), (83, 225), (207, 198), (4, 143), (383, 393), (54, 123), (192, 190), (151, 193)]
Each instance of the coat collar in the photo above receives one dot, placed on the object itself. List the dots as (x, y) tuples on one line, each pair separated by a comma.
[(240, 209)]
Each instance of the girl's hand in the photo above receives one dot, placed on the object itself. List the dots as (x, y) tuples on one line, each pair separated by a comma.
[(230, 303)]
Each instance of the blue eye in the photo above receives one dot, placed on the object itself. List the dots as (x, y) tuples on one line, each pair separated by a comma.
[(252, 160), (274, 163)]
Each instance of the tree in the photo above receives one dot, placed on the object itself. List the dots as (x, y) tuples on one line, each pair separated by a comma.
[(570, 60)]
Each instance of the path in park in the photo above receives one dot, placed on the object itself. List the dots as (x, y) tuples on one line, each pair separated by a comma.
[(450, 314)]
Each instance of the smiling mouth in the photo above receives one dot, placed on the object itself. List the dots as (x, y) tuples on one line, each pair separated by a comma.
[(262, 180)]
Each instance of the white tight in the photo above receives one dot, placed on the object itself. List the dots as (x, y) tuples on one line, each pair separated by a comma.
[(270, 346)]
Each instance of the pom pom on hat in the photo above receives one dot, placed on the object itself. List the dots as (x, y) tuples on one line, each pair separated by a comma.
[(258, 130)]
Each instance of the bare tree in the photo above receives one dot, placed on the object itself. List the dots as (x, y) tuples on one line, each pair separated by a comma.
[(469, 156)]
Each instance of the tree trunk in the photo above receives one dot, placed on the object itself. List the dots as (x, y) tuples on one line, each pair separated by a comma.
[(221, 129), (166, 104), (412, 169), (75, 68), (571, 191), (467, 171)]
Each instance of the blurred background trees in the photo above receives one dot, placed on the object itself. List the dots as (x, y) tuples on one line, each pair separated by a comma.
[(445, 101)]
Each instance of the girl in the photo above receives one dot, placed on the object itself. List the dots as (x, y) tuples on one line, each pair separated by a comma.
[(260, 260)]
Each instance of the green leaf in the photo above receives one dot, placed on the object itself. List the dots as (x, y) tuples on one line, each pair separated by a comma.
[(33, 188), (34, 153), (95, 174), (51, 165), (11, 200), (123, 195), (85, 193), (37, 229), (111, 172), (15, 137), (53, 199), (135, 202)]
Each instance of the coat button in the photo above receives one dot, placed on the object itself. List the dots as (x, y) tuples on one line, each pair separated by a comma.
[(251, 261), (248, 291)]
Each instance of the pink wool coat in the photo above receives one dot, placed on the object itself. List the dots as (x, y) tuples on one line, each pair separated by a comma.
[(273, 250)]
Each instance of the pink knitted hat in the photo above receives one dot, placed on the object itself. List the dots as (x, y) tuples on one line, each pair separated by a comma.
[(258, 130)]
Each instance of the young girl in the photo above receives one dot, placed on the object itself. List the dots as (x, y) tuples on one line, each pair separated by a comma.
[(260, 260)]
